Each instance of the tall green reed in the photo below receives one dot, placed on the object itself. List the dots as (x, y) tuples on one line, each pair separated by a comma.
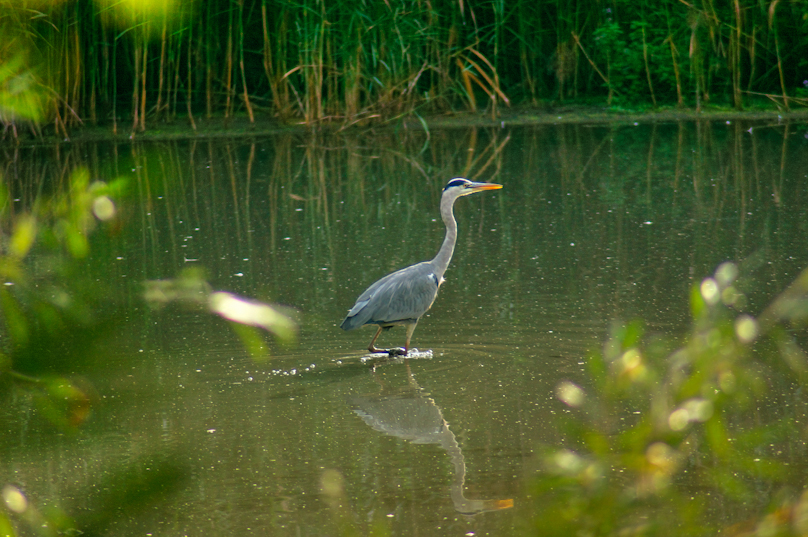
[(354, 60)]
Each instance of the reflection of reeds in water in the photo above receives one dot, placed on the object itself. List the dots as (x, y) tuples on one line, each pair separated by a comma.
[(329, 209)]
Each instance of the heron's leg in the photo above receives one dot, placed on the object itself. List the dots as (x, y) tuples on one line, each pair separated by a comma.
[(402, 351), (410, 330), (372, 346)]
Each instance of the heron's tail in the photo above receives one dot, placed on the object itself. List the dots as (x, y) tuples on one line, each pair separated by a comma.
[(357, 317), (350, 323)]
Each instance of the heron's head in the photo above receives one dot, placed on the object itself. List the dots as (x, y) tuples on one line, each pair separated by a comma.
[(463, 187)]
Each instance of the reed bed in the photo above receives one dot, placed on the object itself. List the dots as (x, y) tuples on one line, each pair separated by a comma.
[(356, 61)]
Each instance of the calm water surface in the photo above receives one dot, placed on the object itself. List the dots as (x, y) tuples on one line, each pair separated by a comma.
[(595, 224)]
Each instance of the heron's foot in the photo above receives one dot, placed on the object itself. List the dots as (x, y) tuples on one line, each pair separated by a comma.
[(376, 350), (397, 351)]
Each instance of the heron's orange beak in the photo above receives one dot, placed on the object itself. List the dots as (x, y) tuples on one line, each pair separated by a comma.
[(474, 187)]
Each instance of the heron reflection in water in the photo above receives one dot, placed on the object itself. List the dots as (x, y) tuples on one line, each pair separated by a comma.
[(401, 298), (410, 414)]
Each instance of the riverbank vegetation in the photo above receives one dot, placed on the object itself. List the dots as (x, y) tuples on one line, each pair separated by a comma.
[(132, 64)]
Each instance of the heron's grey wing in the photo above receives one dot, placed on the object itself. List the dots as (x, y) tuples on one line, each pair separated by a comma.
[(407, 297), (400, 297)]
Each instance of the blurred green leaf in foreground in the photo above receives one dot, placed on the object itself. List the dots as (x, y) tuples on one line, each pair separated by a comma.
[(52, 315), (665, 434)]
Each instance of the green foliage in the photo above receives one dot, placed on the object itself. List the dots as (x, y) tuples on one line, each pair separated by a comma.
[(20, 96), (691, 443), (354, 60), (50, 309)]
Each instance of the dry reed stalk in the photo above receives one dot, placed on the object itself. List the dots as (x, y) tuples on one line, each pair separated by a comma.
[(177, 63), (246, 94), (735, 55), (779, 58), (352, 84), (144, 65), (319, 66), (647, 67), (266, 52), (75, 105), (189, 89), (592, 63), (58, 123), (493, 79), (752, 57), (64, 65), (208, 62), (467, 78), (135, 92), (241, 61), (229, 69), (695, 61), (674, 54), (161, 69)]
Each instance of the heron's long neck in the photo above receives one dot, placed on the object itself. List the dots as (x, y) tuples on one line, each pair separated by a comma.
[(441, 261)]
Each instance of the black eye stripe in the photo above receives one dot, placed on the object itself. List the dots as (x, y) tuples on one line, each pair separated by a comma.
[(456, 182)]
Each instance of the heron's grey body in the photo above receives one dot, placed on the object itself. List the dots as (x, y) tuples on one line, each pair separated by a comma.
[(398, 298), (401, 298)]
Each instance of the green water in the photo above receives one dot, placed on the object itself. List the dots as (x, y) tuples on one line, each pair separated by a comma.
[(594, 224)]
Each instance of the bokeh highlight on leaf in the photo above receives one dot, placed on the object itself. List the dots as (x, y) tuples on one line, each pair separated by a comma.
[(191, 289)]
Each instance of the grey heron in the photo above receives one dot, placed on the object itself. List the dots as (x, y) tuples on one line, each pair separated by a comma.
[(402, 297)]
